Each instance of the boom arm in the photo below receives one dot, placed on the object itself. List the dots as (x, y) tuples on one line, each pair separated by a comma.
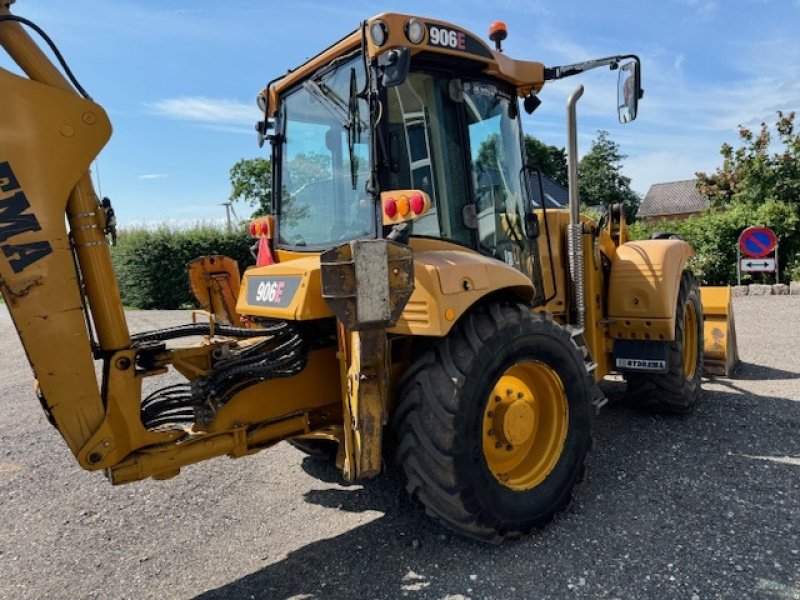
[(59, 284)]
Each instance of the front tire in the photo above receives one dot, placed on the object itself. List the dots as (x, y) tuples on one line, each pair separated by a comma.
[(494, 423), (678, 390)]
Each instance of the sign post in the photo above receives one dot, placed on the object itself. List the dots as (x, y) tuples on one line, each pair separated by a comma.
[(760, 247)]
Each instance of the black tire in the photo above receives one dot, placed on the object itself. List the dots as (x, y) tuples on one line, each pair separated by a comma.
[(674, 392), (324, 450), (439, 428)]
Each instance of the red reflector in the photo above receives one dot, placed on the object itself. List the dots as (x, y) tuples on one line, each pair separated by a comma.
[(390, 208), (253, 231), (417, 203)]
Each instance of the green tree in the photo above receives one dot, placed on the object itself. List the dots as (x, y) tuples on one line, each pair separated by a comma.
[(309, 168), (601, 180), (550, 160), (251, 181), (762, 186), (750, 174)]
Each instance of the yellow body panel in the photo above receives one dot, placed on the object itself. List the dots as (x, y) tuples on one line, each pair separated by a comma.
[(307, 302), (449, 279), (315, 386), (643, 289), (557, 221)]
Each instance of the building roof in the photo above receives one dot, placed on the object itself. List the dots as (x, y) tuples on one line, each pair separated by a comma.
[(556, 195), (672, 198)]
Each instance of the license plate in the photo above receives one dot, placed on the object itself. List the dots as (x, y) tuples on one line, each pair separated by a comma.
[(643, 356)]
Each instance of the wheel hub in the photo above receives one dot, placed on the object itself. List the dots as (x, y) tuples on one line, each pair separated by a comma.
[(516, 422), (525, 424)]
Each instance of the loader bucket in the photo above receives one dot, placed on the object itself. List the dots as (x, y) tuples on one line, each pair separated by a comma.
[(721, 355)]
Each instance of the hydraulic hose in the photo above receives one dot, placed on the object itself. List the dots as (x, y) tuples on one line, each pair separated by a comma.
[(180, 331)]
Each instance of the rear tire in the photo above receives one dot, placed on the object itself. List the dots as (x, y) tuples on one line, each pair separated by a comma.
[(489, 461), (678, 390)]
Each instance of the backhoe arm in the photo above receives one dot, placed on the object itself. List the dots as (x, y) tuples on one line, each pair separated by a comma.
[(50, 135)]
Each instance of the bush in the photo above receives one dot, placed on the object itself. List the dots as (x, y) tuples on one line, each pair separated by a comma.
[(151, 264), (714, 235)]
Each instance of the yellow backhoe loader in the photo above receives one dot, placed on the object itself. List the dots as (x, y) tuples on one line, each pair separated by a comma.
[(417, 301)]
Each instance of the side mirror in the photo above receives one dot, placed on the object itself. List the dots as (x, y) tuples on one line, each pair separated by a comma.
[(629, 90), (394, 65), (262, 130)]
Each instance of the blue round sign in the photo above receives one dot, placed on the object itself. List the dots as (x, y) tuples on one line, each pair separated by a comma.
[(757, 242)]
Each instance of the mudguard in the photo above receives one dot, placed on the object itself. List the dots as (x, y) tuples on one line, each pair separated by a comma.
[(449, 280), (643, 289)]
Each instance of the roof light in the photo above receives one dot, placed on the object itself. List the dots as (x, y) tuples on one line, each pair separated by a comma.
[(415, 31), (379, 33)]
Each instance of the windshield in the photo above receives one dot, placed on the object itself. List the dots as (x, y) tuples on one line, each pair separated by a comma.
[(325, 161)]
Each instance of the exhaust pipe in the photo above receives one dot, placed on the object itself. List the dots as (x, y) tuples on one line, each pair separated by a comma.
[(575, 232)]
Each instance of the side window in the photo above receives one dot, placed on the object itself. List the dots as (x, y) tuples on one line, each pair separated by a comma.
[(496, 156), (425, 152)]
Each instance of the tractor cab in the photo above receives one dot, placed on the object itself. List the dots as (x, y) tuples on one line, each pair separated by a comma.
[(408, 104)]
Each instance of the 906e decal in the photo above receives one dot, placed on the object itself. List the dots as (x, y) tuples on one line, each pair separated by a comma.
[(452, 39), (448, 38), (276, 291), (14, 220)]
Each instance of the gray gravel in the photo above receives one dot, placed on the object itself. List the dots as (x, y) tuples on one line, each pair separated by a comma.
[(701, 507)]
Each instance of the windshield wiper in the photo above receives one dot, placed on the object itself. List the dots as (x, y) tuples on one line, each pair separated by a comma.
[(330, 100), (347, 114)]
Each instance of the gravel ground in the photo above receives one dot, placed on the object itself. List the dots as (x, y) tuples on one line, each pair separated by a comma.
[(701, 507)]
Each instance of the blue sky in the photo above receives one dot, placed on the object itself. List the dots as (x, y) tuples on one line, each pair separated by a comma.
[(179, 78)]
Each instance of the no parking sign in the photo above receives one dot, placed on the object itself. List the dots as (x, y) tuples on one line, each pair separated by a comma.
[(757, 243)]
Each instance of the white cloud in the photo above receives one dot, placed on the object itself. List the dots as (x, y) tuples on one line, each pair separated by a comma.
[(703, 8), (207, 111), (678, 64), (153, 176)]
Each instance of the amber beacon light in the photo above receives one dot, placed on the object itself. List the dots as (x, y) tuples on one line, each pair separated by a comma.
[(497, 33)]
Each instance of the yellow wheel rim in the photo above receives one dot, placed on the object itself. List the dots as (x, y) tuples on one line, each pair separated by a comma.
[(524, 425), (689, 341)]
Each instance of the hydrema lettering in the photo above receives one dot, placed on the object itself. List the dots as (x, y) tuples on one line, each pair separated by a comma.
[(16, 220)]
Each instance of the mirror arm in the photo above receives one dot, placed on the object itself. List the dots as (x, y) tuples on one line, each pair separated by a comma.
[(560, 72)]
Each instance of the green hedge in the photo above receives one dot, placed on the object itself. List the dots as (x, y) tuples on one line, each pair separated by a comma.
[(714, 234), (151, 264)]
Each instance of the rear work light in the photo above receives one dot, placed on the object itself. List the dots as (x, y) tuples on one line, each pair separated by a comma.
[(404, 205)]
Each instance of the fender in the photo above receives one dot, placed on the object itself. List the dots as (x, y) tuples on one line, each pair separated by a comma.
[(643, 288), (449, 280)]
